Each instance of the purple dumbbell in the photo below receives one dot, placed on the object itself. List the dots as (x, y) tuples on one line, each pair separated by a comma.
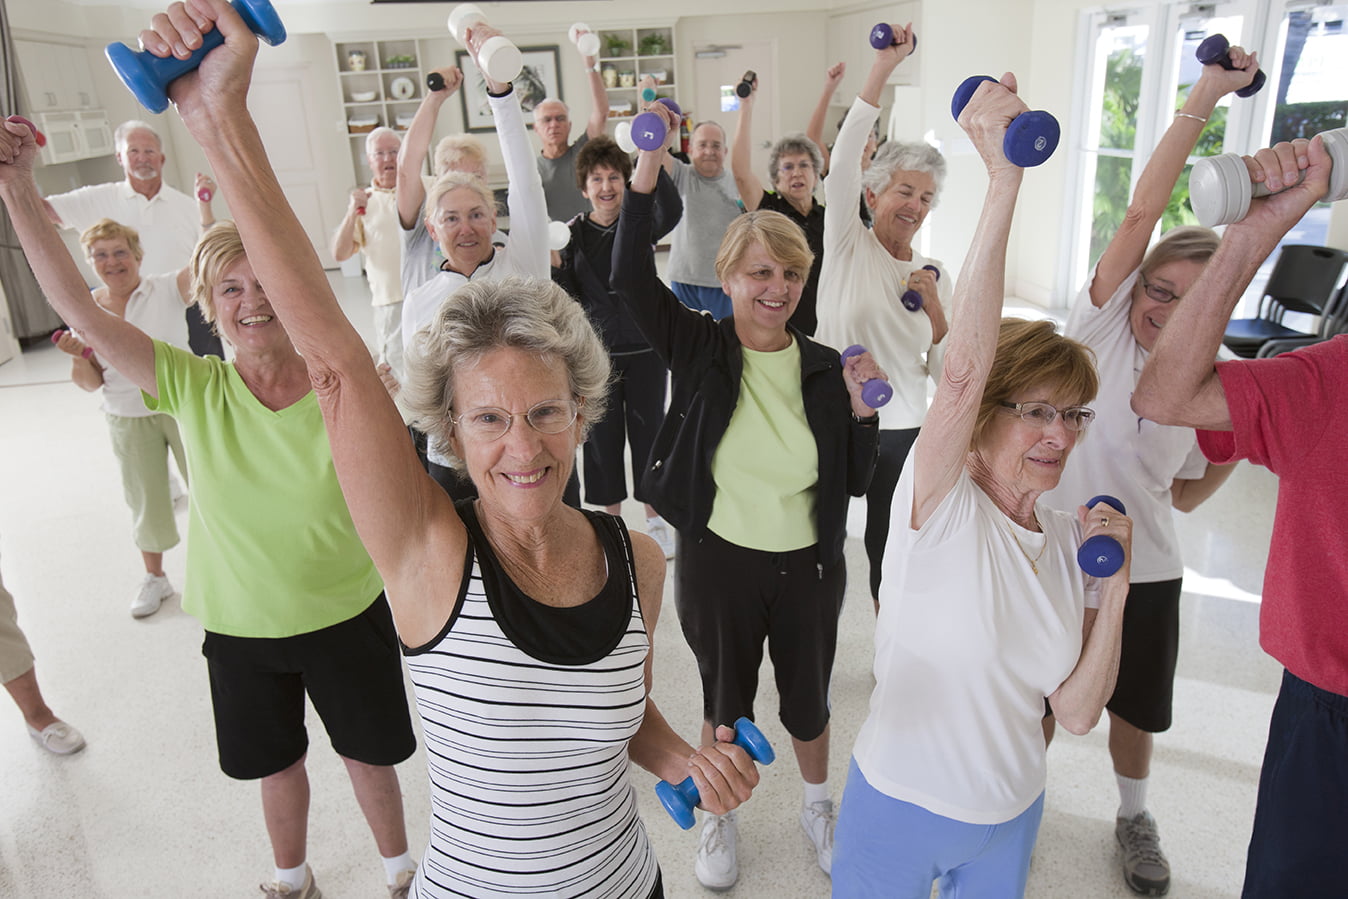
[(648, 129), (681, 798), (876, 391), (911, 299), (1031, 137), (148, 76), (1215, 51), (1101, 555), (882, 36)]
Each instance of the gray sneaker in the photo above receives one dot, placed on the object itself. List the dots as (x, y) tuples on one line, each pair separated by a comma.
[(716, 866), (275, 890), (1145, 868)]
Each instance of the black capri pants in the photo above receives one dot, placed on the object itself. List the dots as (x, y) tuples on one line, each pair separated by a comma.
[(1144, 693), (730, 599), (636, 409)]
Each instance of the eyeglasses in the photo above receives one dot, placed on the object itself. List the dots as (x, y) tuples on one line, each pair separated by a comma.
[(487, 423), (790, 167), (1041, 415), (1157, 292)]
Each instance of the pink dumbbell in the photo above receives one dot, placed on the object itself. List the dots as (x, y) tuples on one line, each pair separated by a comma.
[(56, 338)]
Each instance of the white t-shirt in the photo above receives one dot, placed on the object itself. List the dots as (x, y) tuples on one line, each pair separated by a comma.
[(379, 236), (860, 285), (968, 644), (709, 206), (1123, 455), (168, 225), (156, 308)]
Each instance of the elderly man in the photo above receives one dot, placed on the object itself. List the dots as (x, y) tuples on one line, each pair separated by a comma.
[(167, 220), (1288, 413), (557, 160), (710, 203), (371, 225)]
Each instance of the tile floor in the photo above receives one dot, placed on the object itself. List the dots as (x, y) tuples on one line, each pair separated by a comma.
[(145, 812)]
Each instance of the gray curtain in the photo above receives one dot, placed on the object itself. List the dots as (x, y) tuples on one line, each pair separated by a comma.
[(28, 310)]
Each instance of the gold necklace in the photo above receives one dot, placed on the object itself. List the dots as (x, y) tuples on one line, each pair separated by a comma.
[(1021, 547)]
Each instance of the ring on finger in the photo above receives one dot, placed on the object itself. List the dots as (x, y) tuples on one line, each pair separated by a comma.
[(1104, 522)]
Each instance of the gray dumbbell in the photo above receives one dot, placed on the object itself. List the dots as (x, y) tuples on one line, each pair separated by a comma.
[(1220, 189)]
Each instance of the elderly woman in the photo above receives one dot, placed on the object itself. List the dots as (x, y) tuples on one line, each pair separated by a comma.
[(141, 439), (794, 168), (765, 437), (527, 623), (1151, 468), (289, 599), (984, 612), (637, 397), (867, 271)]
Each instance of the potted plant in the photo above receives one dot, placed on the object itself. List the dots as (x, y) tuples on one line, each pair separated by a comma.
[(615, 44), (654, 44)]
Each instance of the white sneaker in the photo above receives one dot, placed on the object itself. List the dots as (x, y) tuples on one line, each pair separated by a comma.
[(58, 738), (817, 820), (153, 591), (660, 531), (716, 867)]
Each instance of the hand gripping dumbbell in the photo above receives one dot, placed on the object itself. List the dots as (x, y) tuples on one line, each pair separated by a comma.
[(61, 332), (648, 129), (746, 85), (1101, 555), (1220, 188), (882, 36), (38, 136), (501, 59), (148, 76), (680, 799), (875, 392), (911, 299), (1214, 50), (586, 41), (1031, 137)]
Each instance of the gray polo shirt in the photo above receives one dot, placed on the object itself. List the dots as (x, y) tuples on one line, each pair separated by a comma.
[(709, 206), (559, 183)]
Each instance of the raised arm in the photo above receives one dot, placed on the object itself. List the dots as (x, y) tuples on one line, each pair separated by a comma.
[(1179, 384), (527, 202), (943, 442), (1157, 182), (203, 190), (411, 193), (814, 129), (598, 120), (741, 151), (119, 343), (389, 496)]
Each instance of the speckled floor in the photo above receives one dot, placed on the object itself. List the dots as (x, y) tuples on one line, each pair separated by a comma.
[(145, 812)]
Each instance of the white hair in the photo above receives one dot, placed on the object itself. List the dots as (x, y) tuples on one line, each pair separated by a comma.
[(377, 133), (124, 131)]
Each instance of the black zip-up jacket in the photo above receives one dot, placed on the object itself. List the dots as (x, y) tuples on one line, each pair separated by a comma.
[(706, 362), (587, 280)]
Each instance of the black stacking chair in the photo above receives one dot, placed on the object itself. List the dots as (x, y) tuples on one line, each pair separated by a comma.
[(1303, 280), (1333, 323)]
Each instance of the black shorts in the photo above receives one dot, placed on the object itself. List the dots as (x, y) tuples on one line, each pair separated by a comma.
[(730, 599), (353, 674), (1145, 691)]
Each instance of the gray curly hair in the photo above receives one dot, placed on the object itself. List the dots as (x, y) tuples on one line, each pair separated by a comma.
[(898, 156), (794, 144), (524, 313)]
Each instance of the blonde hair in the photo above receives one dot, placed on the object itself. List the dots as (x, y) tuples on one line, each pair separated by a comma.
[(781, 237), (1031, 353), (459, 153), (218, 249), (1188, 242), (528, 314), (107, 229), (453, 181)]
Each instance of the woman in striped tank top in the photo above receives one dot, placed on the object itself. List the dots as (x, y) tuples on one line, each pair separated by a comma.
[(527, 623)]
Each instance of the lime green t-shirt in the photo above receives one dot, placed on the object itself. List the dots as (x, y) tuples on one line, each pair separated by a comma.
[(766, 467), (271, 548)]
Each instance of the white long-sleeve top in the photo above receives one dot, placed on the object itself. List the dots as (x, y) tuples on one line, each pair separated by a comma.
[(860, 284)]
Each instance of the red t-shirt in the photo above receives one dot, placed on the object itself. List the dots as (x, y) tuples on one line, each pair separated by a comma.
[(1290, 414)]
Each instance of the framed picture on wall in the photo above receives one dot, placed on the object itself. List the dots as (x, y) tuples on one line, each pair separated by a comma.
[(540, 80)]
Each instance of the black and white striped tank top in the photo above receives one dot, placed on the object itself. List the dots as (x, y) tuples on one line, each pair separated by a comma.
[(527, 711)]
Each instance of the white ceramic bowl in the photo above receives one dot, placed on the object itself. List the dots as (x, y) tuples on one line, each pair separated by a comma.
[(363, 96)]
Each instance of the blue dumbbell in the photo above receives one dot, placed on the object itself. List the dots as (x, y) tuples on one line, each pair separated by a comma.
[(882, 36), (1214, 50), (1031, 137), (1101, 555), (911, 299), (648, 129), (148, 76), (876, 391), (680, 799)]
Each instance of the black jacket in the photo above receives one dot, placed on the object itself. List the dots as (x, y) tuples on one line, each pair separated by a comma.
[(587, 280), (705, 360)]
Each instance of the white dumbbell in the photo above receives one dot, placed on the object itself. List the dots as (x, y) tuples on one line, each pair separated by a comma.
[(586, 41), (1220, 188), (622, 136), (501, 59), (559, 235)]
